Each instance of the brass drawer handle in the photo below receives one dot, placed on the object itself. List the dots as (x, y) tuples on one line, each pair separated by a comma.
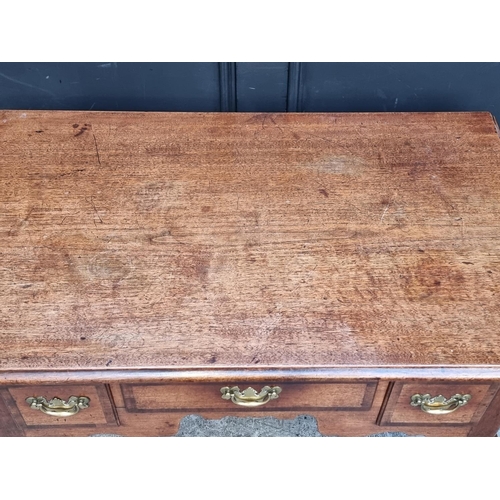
[(439, 405), (58, 407), (249, 397)]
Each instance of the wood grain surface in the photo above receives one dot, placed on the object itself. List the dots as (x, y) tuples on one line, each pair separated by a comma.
[(295, 396), (99, 412), (400, 412), (171, 240)]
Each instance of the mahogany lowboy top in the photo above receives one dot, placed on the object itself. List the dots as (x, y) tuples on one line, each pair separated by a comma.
[(216, 241)]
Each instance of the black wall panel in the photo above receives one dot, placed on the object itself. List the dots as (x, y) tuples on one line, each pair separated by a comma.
[(110, 86), (252, 87), (261, 87), (400, 87)]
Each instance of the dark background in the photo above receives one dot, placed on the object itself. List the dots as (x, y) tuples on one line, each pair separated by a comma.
[(252, 87)]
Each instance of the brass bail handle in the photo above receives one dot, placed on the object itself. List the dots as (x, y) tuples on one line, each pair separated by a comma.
[(250, 397), (58, 407), (439, 405)]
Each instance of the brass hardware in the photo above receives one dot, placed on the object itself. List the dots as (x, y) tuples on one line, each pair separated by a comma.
[(57, 407), (249, 397), (439, 405)]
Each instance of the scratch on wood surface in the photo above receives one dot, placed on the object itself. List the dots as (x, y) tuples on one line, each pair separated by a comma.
[(382, 156), (96, 150), (389, 203), (436, 187), (384, 212), (95, 210), (272, 119), (462, 228), (72, 172)]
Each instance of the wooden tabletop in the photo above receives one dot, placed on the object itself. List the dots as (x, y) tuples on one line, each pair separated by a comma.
[(162, 240)]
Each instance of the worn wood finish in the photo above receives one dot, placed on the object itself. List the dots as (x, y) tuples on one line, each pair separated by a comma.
[(187, 397), (330, 423), (99, 412), (255, 375), (8, 425), (341, 422), (489, 424), (133, 240), (366, 423), (400, 412), (349, 258)]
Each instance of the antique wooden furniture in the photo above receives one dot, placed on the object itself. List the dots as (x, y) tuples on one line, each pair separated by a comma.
[(155, 265)]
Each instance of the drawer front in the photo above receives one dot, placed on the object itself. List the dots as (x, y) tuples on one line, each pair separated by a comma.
[(297, 396), (399, 410), (95, 407)]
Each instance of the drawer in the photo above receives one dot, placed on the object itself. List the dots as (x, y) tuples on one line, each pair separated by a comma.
[(93, 409), (208, 396), (399, 410)]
